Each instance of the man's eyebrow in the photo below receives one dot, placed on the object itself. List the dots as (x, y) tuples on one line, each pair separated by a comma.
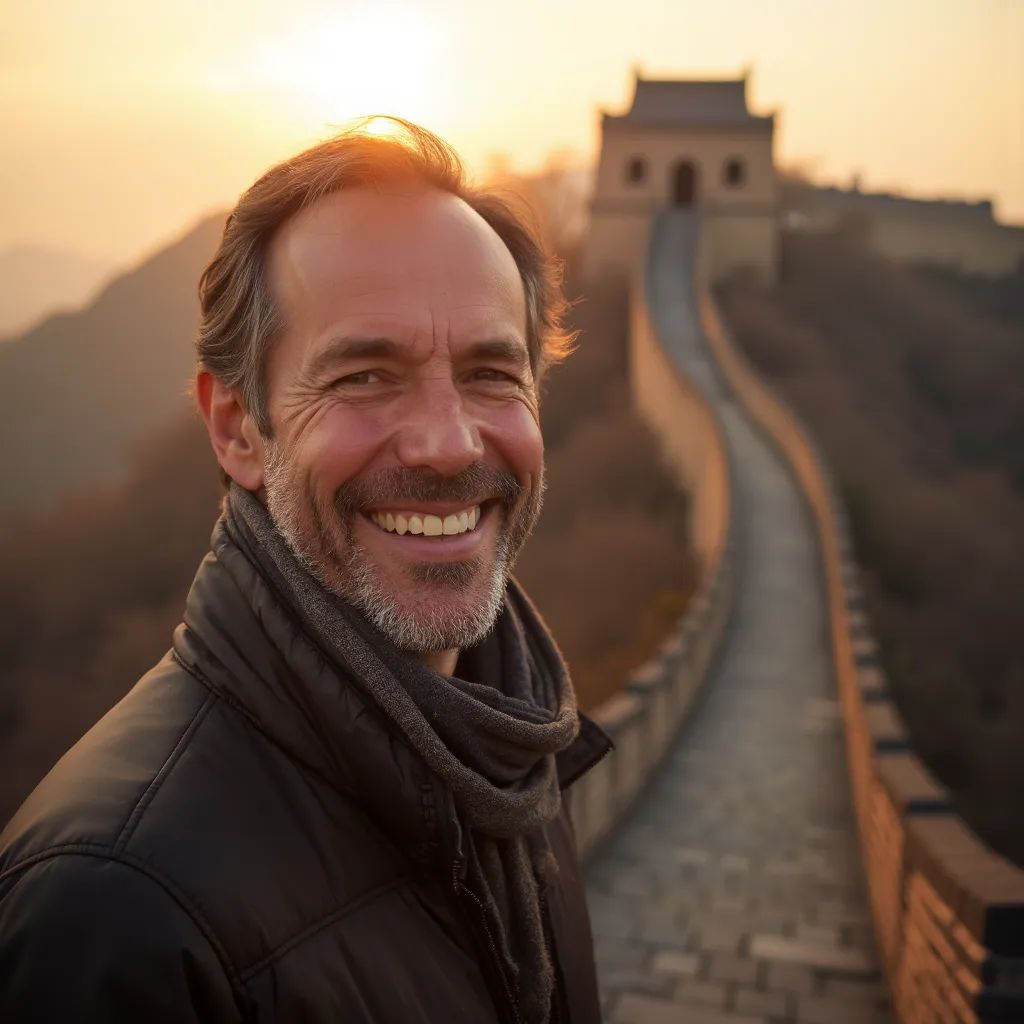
[(504, 349), (339, 349)]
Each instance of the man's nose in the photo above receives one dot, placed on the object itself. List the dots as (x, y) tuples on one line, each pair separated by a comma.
[(438, 432)]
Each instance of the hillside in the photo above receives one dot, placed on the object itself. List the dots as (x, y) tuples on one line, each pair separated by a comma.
[(35, 280), (913, 382), (79, 391)]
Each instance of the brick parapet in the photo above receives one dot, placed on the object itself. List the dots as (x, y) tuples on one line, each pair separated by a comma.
[(948, 911)]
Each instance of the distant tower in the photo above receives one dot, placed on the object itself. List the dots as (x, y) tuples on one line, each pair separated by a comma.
[(690, 144)]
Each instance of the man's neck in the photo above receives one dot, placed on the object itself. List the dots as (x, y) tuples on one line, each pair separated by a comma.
[(442, 662)]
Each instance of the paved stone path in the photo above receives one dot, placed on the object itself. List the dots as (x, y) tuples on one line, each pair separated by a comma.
[(733, 892)]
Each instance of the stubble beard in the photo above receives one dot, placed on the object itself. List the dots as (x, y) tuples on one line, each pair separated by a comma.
[(438, 606)]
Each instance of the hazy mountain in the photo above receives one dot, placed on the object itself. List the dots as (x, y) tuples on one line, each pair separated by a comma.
[(80, 390), (36, 281)]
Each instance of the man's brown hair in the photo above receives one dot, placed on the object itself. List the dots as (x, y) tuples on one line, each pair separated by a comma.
[(239, 319)]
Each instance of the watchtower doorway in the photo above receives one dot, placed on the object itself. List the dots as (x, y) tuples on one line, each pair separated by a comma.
[(684, 184)]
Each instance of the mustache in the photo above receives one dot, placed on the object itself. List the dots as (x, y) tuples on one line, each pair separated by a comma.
[(399, 485)]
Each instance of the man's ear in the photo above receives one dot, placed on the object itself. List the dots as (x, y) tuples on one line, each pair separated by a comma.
[(236, 441)]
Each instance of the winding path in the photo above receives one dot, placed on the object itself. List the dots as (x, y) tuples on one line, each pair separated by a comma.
[(733, 892)]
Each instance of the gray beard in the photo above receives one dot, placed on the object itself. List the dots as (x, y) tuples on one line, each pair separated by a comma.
[(352, 576), (428, 629)]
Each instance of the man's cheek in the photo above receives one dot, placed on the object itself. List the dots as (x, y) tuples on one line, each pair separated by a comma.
[(344, 442), (516, 431)]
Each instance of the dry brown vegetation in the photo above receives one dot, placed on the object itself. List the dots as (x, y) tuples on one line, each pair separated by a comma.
[(92, 591), (914, 384), (608, 564)]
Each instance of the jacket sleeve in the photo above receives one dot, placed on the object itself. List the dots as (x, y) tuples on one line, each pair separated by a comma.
[(84, 938)]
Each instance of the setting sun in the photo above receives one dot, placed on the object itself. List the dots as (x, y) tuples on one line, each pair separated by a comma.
[(380, 126), (381, 59)]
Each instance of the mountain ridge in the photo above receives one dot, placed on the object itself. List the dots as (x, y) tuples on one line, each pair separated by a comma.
[(37, 280), (80, 391)]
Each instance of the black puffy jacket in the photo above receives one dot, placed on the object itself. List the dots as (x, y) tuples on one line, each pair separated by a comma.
[(242, 838)]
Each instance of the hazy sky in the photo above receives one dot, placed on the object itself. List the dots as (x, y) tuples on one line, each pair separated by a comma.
[(122, 121)]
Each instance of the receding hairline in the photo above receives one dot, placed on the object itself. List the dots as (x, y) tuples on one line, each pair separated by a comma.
[(406, 190)]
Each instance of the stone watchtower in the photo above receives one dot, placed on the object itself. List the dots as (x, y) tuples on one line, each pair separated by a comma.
[(691, 145)]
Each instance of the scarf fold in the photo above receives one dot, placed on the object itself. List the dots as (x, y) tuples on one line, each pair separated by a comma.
[(490, 733)]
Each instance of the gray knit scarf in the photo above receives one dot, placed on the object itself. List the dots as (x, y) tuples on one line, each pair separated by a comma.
[(490, 733)]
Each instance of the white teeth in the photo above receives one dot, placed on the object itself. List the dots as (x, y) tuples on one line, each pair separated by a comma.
[(450, 525)]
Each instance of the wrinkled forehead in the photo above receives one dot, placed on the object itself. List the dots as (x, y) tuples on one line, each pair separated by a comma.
[(371, 251)]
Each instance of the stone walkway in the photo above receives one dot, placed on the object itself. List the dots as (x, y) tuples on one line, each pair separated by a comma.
[(733, 893)]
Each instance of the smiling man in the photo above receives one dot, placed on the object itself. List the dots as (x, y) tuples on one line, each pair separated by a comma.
[(407, 338), (340, 796)]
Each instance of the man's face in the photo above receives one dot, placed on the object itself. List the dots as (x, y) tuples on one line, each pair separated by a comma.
[(406, 466)]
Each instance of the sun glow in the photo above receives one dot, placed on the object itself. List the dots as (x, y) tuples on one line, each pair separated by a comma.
[(380, 126), (384, 58)]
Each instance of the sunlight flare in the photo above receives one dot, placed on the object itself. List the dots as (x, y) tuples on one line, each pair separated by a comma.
[(385, 58)]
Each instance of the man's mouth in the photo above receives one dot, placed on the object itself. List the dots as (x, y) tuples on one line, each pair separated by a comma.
[(427, 524)]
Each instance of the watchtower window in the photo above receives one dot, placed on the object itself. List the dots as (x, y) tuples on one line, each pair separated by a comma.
[(636, 170), (734, 173), (684, 184)]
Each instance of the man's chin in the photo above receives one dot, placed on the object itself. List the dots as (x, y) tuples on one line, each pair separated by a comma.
[(421, 606), (442, 607), (444, 581)]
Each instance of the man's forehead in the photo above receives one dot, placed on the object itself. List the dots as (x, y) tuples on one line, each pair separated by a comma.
[(361, 243)]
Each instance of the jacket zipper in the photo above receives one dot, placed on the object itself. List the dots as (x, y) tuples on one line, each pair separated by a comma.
[(461, 889)]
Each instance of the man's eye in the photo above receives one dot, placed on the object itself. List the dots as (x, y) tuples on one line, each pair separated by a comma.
[(360, 379), (490, 374)]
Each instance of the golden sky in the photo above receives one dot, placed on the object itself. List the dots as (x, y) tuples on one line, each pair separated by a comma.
[(123, 120)]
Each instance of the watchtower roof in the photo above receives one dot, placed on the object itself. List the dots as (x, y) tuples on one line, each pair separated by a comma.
[(667, 102)]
